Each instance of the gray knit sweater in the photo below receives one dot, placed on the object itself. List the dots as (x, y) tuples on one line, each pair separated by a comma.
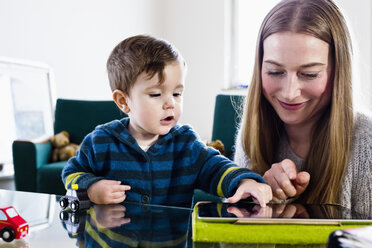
[(357, 185)]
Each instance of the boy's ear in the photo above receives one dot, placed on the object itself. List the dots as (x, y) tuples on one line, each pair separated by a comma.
[(121, 100)]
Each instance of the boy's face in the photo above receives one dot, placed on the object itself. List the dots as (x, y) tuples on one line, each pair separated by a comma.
[(155, 108)]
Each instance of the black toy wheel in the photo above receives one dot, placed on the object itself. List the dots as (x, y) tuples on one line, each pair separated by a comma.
[(63, 202), (63, 215), (75, 206), (7, 234), (74, 219)]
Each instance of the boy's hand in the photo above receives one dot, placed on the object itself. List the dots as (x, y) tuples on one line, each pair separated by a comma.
[(107, 192), (256, 212), (261, 193), (110, 216)]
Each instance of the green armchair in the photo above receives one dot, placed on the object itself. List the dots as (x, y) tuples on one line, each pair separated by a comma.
[(33, 169), (227, 115)]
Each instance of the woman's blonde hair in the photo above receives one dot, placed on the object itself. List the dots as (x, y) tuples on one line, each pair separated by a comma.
[(262, 128)]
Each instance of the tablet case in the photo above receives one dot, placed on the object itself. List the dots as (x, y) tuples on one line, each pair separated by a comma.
[(293, 234)]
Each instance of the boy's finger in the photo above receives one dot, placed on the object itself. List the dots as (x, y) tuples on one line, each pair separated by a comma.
[(118, 194), (126, 187), (114, 182), (235, 198), (118, 208), (260, 200), (232, 199), (125, 221), (118, 199), (268, 193), (121, 187)]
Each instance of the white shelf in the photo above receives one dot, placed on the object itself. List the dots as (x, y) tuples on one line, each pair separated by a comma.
[(7, 172)]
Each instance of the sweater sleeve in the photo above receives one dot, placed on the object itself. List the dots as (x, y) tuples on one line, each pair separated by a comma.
[(218, 175), (81, 168), (356, 191)]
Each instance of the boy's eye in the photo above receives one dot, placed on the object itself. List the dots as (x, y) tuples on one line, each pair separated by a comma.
[(154, 95), (177, 94)]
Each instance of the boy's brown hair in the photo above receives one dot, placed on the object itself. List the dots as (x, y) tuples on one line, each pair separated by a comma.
[(137, 54)]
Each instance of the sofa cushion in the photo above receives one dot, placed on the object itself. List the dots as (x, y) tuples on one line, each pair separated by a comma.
[(49, 178)]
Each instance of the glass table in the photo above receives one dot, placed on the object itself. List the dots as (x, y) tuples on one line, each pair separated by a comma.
[(121, 225)]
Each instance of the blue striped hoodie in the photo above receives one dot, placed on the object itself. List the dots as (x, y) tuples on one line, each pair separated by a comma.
[(166, 174)]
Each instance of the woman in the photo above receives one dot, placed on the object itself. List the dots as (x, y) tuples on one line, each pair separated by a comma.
[(298, 129)]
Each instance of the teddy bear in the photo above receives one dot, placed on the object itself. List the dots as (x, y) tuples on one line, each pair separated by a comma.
[(218, 145), (62, 148)]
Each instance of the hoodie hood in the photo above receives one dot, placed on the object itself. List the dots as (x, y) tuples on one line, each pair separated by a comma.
[(118, 129)]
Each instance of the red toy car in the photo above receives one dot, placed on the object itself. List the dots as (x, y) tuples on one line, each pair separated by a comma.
[(12, 225)]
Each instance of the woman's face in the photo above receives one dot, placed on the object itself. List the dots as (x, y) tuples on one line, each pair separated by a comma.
[(296, 76)]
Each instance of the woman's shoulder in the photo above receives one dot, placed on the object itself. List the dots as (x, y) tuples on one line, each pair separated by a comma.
[(363, 126), (361, 146), (358, 177)]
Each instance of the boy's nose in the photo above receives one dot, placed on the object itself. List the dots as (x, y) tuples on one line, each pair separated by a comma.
[(169, 103), (291, 88)]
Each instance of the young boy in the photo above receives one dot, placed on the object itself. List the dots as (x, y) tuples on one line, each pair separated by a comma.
[(148, 157)]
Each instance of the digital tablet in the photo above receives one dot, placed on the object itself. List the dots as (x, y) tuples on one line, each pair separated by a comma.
[(279, 214)]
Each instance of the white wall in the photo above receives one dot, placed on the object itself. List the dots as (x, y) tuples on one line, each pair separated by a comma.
[(76, 38), (358, 14), (197, 30)]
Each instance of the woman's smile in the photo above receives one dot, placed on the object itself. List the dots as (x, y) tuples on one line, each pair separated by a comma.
[(292, 106)]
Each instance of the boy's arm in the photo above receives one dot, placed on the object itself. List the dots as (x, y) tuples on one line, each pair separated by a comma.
[(80, 168), (219, 175), (83, 170)]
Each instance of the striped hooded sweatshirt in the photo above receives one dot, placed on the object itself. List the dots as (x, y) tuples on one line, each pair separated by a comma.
[(167, 173)]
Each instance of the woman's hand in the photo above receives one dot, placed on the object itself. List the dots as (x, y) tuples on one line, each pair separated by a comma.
[(256, 212), (289, 211), (285, 181), (282, 211), (107, 192)]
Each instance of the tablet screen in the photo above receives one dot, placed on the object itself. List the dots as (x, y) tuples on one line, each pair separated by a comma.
[(279, 213)]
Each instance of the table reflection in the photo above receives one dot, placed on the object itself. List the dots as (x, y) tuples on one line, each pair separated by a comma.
[(281, 211), (128, 225)]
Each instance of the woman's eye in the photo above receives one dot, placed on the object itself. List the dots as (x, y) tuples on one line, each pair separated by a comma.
[(275, 73), (309, 75), (154, 95)]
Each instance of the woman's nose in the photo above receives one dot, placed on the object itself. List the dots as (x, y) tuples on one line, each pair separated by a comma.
[(291, 88)]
